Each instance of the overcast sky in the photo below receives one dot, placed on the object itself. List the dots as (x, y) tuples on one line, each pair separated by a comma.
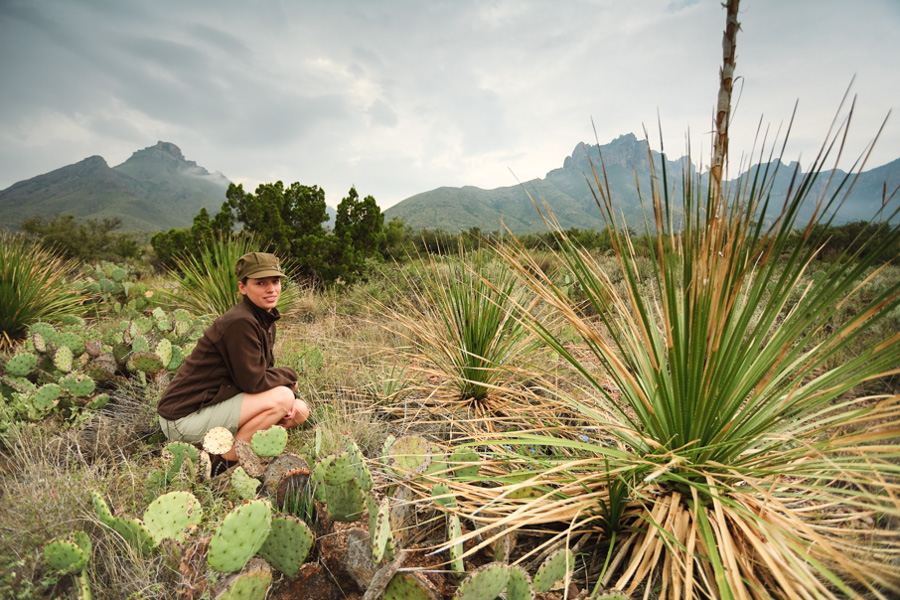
[(401, 97)]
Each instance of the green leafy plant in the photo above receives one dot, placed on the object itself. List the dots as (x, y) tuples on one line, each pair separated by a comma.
[(36, 284)]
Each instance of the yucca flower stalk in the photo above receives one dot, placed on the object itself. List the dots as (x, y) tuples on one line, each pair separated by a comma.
[(750, 472), (206, 284), (35, 285)]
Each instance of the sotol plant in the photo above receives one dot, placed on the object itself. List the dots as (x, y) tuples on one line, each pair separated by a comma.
[(36, 284)]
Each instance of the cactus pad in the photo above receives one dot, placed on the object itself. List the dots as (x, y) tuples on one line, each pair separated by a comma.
[(454, 532), (270, 442), (344, 502), (176, 360), (135, 533), (72, 341), (62, 358), (519, 585), (102, 508), (409, 585), (288, 544), (66, 556), (244, 485), (173, 516), (340, 470), (282, 465), (46, 396), (164, 351), (146, 362), (381, 532), (554, 568), (465, 462), (252, 585), (80, 385), (503, 546), (409, 454), (21, 364), (98, 401), (218, 440), (484, 583), (175, 454), (360, 469), (252, 463), (241, 534), (441, 494)]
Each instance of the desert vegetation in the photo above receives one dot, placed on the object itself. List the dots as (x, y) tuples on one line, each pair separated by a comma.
[(709, 408)]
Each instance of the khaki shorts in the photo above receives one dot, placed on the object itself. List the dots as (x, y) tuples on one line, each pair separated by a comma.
[(193, 427)]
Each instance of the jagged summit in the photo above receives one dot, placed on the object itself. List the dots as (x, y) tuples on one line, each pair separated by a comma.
[(156, 188)]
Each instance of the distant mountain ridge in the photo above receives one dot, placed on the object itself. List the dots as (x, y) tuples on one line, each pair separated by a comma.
[(155, 189), (158, 189), (627, 170)]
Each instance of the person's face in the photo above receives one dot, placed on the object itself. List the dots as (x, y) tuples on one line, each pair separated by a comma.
[(262, 292)]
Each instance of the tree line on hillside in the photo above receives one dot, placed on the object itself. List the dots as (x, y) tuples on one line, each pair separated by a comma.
[(291, 220)]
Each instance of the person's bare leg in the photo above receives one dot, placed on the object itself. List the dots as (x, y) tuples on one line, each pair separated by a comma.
[(299, 413), (261, 411)]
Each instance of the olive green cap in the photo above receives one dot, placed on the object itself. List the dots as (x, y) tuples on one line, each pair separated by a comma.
[(258, 265)]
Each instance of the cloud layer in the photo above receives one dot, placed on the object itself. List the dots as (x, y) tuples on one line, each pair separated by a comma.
[(401, 97)]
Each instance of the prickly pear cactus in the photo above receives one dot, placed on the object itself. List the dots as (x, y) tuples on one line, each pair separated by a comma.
[(484, 583), (174, 457), (21, 364), (410, 585), (102, 508), (241, 534), (554, 568), (288, 544), (441, 494), (62, 358), (270, 442), (358, 464), (345, 502), (68, 555), (135, 532), (340, 470), (519, 586), (146, 362), (218, 440), (173, 516), (252, 585), (454, 532), (465, 462), (244, 485), (79, 385), (46, 396), (409, 454), (381, 532), (164, 351)]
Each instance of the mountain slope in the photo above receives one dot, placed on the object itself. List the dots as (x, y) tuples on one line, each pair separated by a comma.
[(627, 170), (156, 188)]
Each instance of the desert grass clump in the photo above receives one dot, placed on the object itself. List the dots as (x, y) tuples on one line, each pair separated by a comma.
[(35, 285), (748, 472)]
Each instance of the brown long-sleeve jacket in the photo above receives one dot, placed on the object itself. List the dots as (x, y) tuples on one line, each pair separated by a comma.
[(234, 355)]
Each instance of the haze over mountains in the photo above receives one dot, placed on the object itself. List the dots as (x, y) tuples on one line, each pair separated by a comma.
[(158, 189)]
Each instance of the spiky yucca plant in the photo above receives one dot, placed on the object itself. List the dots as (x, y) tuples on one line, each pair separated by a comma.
[(751, 471), (461, 321), (206, 284), (35, 285)]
